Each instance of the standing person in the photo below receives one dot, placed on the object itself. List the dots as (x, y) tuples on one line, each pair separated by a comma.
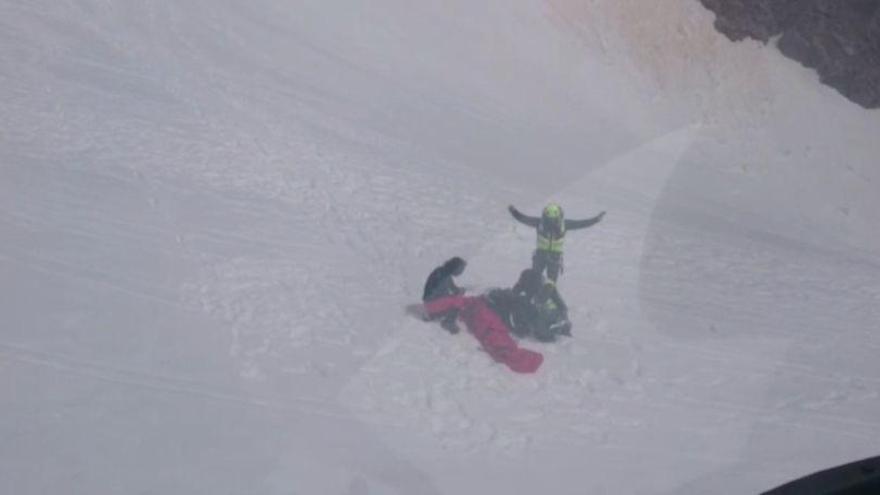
[(440, 283), (551, 228)]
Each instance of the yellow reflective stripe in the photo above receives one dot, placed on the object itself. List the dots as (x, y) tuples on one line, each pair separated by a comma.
[(553, 245), (548, 308)]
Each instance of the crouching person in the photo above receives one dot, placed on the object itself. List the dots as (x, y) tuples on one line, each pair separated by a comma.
[(440, 283)]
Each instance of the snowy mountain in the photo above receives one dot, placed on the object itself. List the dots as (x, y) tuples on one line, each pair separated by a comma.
[(214, 214)]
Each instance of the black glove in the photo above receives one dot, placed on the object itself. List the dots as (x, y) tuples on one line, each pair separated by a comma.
[(562, 327)]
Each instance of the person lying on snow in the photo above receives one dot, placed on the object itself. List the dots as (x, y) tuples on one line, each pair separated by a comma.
[(551, 228), (528, 284), (514, 309), (440, 283), (516, 305), (533, 307), (489, 329), (552, 314)]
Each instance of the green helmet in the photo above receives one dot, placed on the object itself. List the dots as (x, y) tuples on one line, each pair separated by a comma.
[(553, 211)]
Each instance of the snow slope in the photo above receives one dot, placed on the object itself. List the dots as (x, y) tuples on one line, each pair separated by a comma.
[(213, 215)]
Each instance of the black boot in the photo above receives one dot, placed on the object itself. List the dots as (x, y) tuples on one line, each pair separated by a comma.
[(449, 324)]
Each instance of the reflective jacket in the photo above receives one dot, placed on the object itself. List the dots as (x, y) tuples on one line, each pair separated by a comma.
[(551, 235)]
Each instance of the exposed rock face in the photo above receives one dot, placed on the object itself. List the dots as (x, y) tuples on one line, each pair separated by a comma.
[(838, 38)]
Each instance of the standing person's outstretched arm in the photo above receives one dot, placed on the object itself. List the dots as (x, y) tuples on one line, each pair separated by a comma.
[(522, 218), (582, 224)]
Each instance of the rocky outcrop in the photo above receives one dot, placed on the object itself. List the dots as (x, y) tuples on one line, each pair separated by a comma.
[(838, 38)]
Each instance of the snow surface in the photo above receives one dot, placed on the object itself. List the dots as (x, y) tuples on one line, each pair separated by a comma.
[(213, 215)]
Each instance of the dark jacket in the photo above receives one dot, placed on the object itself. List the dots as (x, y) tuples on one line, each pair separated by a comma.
[(529, 283), (515, 309), (552, 315), (440, 282), (535, 222), (550, 303)]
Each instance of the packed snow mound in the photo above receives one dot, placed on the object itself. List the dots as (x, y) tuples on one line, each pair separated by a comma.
[(213, 215)]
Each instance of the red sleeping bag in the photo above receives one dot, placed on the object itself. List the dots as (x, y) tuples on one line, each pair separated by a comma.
[(489, 329)]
